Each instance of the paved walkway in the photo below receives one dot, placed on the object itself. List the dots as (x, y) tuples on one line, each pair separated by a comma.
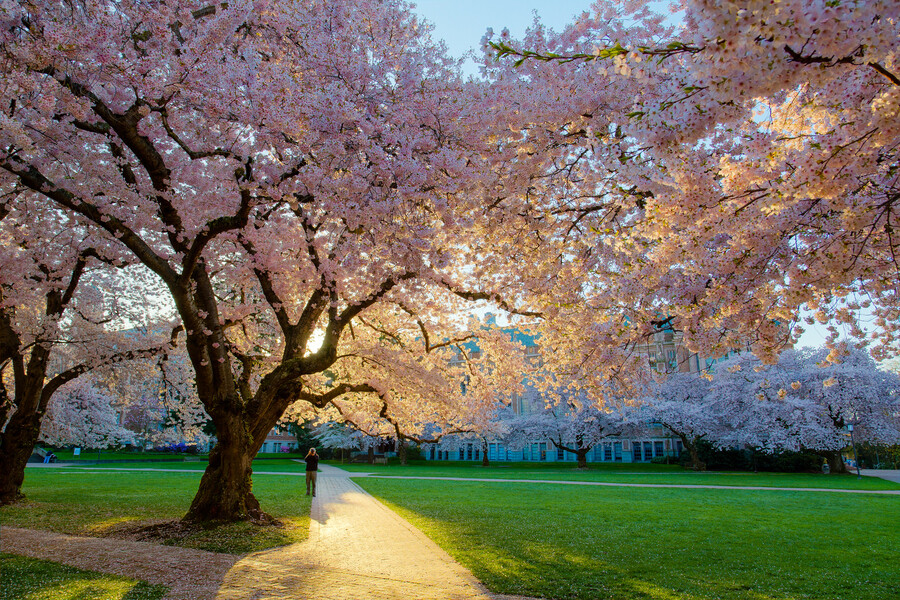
[(889, 474), (357, 549)]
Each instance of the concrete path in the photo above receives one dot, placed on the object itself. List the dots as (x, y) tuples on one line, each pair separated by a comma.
[(357, 549), (889, 474)]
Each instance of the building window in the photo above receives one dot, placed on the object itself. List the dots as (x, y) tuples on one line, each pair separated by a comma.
[(679, 447), (637, 451), (462, 453), (658, 447), (607, 451), (617, 448), (477, 453), (543, 448), (560, 454), (432, 453), (648, 450), (525, 453), (469, 451)]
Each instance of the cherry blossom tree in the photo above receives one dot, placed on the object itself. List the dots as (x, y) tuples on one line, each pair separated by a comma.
[(806, 401), (83, 414), (54, 323), (453, 393), (159, 404), (572, 426), (305, 178), (726, 167), (683, 404)]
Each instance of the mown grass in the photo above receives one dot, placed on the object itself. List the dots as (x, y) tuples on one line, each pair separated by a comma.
[(260, 465), (623, 473), (92, 455), (30, 579), (101, 503), (89, 456), (578, 543)]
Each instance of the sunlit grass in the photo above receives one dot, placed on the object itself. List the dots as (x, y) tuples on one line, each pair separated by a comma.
[(574, 542), (623, 473), (101, 503), (30, 579)]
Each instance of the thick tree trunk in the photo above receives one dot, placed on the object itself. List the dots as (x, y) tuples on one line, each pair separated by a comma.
[(581, 454), (371, 455), (484, 454), (401, 451), (695, 464), (17, 445), (225, 492), (836, 462)]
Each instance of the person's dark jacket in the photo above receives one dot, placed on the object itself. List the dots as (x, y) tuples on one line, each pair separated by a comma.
[(312, 462)]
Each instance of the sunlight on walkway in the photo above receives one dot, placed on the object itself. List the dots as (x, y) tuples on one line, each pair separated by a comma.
[(357, 548)]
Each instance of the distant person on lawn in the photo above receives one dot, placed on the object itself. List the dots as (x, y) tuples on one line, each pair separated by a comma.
[(312, 469)]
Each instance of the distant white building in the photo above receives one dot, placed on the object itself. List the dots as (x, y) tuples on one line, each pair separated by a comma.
[(665, 354)]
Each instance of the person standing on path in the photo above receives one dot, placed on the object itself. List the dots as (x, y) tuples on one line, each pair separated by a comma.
[(312, 470)]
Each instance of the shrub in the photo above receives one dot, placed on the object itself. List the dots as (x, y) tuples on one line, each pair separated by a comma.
[(877, 456), (732, 459), (788, 462)]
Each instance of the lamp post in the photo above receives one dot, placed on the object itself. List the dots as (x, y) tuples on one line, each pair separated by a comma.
[(855, 457)]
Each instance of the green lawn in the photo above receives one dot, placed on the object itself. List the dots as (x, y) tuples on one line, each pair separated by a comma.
[(131, 456), (91, 455), (29, 579), (283, 465), (85, 502), (574, 542), (623, 473)]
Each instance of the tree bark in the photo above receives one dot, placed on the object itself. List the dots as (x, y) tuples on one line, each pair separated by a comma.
[(401, 451), (581, 454), (18, 442), (371, 455), (484, 454), (695, 464), (225, 492), (836, 461)]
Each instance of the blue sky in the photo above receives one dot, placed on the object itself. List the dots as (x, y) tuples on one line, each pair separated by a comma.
[(462, 23)]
